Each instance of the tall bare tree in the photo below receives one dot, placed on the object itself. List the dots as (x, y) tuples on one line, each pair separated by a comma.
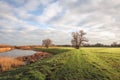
[(47, 43), (114, 44), (78, 39)]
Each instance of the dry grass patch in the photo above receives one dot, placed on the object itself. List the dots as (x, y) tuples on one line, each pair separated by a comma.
[(7, 63)]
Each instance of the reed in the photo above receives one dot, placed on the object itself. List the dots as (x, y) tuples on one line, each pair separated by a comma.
[(7, 63), (5, 49)]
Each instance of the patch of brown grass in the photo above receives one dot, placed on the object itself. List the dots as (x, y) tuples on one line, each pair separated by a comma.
[(7, 63), (5, 49), (33, 58)]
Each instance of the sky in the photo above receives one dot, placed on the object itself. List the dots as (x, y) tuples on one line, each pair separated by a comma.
[(28, 22)]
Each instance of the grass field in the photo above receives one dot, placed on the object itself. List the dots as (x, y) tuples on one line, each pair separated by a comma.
[(71, 64)]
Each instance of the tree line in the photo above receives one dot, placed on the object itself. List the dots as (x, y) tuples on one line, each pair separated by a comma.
[(102, 45), (78, 40)]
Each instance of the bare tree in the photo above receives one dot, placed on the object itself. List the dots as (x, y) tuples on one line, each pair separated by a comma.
[(114, 44), (47, 43), (78, 39)]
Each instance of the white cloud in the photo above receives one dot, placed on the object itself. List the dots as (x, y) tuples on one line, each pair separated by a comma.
[(99, 18), (6, 8), (50, 12), (29, 5)]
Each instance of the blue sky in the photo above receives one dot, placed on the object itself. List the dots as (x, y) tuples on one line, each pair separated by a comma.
[(25, 22)]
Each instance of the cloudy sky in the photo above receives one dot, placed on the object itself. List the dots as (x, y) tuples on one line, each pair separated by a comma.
[(24, 22)]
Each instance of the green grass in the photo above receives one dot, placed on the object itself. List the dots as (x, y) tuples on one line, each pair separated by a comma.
[(71, 64)]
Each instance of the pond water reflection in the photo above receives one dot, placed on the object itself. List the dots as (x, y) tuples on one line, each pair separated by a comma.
[(17, 53)]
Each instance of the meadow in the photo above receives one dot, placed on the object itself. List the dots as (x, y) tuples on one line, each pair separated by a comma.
[(71, 64)]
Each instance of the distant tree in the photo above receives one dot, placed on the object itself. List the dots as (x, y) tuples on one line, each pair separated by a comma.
[(87, 45), (114, 44), (99, 45), (78, 39), (47, 43), (96, 45)]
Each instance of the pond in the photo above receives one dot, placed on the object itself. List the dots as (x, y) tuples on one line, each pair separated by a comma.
[(17, 53)]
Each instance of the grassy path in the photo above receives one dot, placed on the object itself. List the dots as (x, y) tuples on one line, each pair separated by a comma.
[(71, 64), (86, 66)]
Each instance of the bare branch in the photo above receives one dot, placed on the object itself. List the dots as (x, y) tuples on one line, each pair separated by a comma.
[(46, 42), (78, 39)]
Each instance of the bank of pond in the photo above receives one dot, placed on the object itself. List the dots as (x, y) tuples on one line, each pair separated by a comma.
[(16, 58)]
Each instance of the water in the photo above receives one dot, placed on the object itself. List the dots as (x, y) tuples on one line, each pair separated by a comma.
[(17, 53)]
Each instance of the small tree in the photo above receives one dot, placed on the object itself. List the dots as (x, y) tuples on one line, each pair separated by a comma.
[(47, 43), (114, 44), (78, 39)]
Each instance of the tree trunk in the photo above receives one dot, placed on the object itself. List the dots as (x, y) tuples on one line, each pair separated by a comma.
[(46, 46), (77, 47)]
